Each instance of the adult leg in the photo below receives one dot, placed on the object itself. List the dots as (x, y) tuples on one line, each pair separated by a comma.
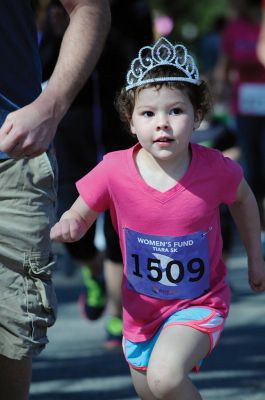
[(113, 273), (176, 352), (76, 148), (92, 300), (250, 137), (15, 378), (27, 298)]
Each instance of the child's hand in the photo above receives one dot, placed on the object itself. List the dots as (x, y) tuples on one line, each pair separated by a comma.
[(74, 223), (68, 230), (256, 276)]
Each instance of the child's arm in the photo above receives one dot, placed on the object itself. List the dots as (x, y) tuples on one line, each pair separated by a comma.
[(246, 216), (74, 223)]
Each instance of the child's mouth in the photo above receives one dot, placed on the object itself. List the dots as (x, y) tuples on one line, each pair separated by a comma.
[(163, 140)]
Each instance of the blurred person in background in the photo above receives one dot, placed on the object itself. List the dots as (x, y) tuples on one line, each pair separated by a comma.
[(29, 120), (241, 70), (89, 129), (40, 8), (217, 130), (210, 47), (76, 148)]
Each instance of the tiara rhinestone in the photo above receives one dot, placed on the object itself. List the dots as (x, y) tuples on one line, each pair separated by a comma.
[(160, 54)]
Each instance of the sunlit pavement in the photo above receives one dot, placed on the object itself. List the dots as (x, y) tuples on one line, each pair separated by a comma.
[(75, 366)]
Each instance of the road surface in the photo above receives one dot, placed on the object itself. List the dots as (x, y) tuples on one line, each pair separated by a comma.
[(75, 366)]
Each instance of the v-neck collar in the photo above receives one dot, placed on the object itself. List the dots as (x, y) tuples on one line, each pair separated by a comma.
[(162, 197)]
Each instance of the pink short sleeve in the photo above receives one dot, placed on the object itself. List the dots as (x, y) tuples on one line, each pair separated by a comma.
[(93, 188), (230, 176)]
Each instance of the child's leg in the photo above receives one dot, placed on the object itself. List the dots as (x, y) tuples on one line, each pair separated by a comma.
[(140, 384), (177, 350), (177, 347)]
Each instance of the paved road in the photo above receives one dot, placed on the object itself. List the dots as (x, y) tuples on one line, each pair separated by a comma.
[(76, 367)]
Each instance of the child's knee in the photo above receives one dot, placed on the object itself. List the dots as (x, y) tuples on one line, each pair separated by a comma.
[(164, 384)]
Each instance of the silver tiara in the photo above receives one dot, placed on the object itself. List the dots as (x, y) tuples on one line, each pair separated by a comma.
[(162, 53)]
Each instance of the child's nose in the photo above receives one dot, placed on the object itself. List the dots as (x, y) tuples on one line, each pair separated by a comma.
[(162, 122)]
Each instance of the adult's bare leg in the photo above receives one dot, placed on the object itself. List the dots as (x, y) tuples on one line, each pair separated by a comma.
[(15, 378)]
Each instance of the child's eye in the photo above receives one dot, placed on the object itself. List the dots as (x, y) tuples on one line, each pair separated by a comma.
[(175, 111), (148, 114)]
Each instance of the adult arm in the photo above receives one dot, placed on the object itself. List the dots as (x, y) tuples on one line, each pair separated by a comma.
[(261, 41), (29, 130), (246, 216)]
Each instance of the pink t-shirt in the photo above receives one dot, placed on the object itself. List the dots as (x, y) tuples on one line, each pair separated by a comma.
[(240, 39), (171, 242)]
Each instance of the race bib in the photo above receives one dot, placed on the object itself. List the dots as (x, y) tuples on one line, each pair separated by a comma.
[(167, 267), (252, 98)]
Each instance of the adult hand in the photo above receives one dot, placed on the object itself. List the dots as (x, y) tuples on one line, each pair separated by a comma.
[(27, 132)]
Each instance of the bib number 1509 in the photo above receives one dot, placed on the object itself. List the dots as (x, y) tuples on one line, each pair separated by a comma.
[(174, 270)]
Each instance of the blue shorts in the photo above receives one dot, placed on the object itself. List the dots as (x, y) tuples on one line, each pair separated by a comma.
[(203, 319)]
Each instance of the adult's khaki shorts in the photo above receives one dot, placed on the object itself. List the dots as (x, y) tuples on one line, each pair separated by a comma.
[(27, 211)]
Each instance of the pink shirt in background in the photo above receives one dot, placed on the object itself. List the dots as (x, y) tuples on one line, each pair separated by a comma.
[(239, 45), (171, 242)]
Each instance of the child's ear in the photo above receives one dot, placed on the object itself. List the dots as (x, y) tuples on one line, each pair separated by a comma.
[(133, 131), (197, 119)]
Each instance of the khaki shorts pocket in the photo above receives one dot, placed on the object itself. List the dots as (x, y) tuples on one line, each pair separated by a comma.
[(41, 299)]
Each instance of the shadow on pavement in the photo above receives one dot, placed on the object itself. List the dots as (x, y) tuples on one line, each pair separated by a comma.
[(100, 376)]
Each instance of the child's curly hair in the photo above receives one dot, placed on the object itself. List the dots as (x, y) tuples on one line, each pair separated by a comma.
[(199, 95)]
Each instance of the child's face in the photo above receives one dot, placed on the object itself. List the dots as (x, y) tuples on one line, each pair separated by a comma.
[(163, 121)]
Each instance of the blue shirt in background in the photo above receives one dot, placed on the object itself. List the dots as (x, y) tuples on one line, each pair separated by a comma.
[(20, 67)]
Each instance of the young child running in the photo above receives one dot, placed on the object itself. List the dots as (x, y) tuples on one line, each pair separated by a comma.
[(164, 196)]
